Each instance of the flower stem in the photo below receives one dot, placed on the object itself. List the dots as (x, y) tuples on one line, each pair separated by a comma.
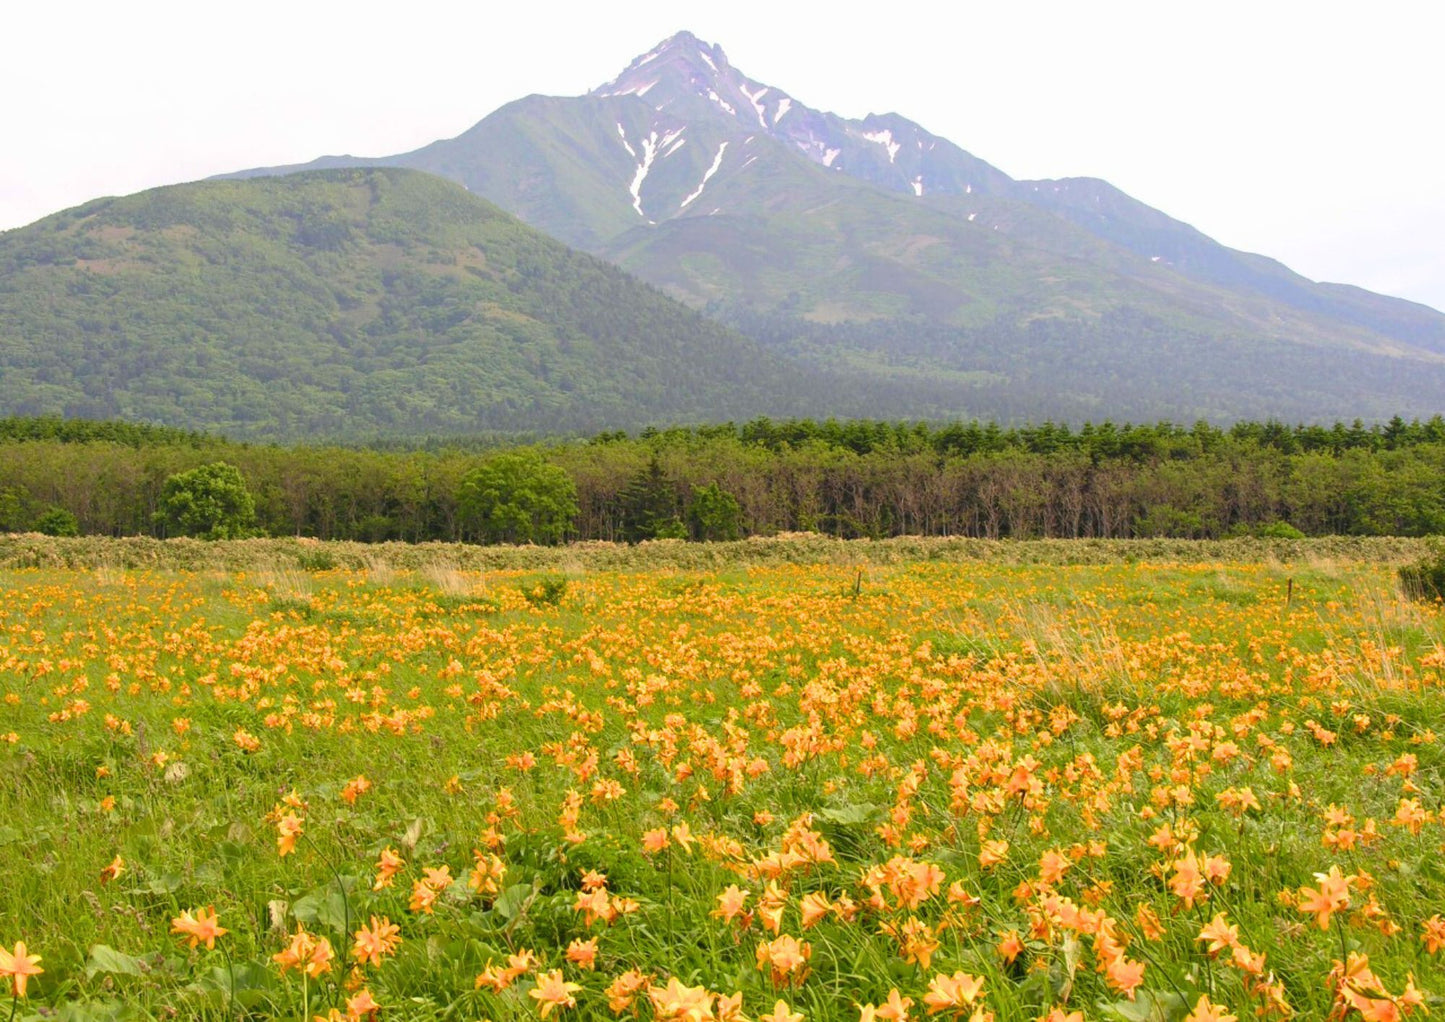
[(231, 981)]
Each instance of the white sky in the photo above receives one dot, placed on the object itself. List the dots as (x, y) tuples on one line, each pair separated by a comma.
[(1308, 131)]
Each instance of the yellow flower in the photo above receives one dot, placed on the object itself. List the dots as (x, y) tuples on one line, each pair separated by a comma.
[(199, 925), (552, 992), (781, 1013), (19, 965)]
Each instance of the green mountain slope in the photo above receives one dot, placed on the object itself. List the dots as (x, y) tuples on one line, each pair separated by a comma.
[(354, 303), (845, 267), (681, 134), (1108, 213), (341, 303), (842, 242)]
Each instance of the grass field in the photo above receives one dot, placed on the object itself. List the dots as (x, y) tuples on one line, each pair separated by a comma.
[(831, 783)]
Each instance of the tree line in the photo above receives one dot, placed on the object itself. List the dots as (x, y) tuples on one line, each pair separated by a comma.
[(849, 479)]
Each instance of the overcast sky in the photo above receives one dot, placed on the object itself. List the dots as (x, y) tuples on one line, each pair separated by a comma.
[(1309, 131)]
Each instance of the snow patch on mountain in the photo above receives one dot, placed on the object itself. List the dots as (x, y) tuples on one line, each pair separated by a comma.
[(707, 175), (636, 90), (649, 153), (756, 99), (622, 134), (784, 105), (885, 139), (712, 95), (830, 156), (918, 186)]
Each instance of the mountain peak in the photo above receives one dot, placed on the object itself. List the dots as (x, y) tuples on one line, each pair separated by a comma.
[(683, 58), (690, 84), (685, 40)]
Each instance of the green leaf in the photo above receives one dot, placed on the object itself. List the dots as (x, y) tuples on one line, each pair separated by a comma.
[(326, 906), (1148, 1007), (305, 909), (513, 900), (1062, 977), (106, 959), (850, 815), (166, 883), (1036, 992), (332, 912), (249, 978)]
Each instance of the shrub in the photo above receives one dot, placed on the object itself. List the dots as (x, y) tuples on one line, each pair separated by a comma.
[(1425, 579), (1164, 521), (209, 502), (318, 559), (545, 591), (57, 521), (1279, 530)]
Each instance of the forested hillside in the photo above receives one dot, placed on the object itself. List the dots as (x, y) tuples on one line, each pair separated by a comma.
[(356, 303)]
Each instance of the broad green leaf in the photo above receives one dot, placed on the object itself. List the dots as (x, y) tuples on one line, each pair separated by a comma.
[(512, 900), (98, 1011), (166, 883), (850, 815), (106, 959), (1148, 1007)]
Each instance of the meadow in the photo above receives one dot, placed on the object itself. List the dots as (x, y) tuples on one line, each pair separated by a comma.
[(784, 780)]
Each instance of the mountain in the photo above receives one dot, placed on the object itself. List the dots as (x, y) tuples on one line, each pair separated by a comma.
[(874, 246), (845, 267), (356, 302)]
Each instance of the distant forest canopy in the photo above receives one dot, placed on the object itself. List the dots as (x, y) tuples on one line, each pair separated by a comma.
[(844, 478)]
